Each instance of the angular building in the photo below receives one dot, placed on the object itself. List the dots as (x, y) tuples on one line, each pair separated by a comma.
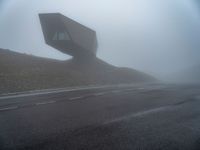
[(68, 36)]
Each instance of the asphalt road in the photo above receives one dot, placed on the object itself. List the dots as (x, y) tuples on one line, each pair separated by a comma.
[(142, 117)]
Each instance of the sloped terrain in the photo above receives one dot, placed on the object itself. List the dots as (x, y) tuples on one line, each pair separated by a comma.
[(21, 72)]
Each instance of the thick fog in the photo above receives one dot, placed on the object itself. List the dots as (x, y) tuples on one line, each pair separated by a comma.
[(154, 36)]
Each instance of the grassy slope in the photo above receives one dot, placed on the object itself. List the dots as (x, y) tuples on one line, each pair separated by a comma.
[(20, 72)]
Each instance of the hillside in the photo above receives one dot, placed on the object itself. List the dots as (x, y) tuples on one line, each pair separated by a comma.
[(21, 72)]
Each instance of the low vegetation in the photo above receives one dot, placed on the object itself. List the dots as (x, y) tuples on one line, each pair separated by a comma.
[(22, 72)]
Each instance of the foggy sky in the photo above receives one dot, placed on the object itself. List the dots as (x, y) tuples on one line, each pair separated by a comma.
[(158, 37)]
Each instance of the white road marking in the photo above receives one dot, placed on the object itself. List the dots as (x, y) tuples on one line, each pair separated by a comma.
[(99, 94), (75, 98), (59, 90), (44, 103), (8, 108), (128, 90), (151, 111), (80, 97), (140, 114)]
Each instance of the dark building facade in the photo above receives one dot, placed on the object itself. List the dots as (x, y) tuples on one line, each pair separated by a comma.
[(68, 36)]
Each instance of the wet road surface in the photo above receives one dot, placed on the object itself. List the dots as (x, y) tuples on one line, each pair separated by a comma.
[(142, 117)]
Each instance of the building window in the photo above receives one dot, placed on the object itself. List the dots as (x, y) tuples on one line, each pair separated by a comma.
[(61, 36)]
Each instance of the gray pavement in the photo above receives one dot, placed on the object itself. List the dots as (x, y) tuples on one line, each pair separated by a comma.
[(142, 117)]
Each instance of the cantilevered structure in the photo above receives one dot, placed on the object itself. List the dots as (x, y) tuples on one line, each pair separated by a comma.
[(68, 36)]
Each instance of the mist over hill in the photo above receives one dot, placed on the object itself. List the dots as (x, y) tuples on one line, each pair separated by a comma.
[(21, 72), (188, 75)]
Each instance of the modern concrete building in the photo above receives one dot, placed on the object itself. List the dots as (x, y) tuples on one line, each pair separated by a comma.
[(68, 36)]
